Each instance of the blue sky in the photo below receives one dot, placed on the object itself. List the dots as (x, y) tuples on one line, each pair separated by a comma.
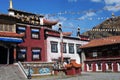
[(70, 13)]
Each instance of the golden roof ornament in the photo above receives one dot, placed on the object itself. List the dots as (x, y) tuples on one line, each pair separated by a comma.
[(11, 5)]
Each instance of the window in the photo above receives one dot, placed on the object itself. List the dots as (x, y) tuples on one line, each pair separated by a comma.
[(35, 33), (64, 48), (54, 47), (7, 27), (1, 27), (22, 54), (21, 30), (78, 50), (36, 54), (94, 54), (71, 48)]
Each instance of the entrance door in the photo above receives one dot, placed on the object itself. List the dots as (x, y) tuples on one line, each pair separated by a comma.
[(3, 55)]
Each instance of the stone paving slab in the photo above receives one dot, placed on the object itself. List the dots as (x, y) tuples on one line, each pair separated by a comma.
[(12, 72), (86, 76)]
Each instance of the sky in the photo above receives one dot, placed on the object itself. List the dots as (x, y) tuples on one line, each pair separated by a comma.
[(72, 14)]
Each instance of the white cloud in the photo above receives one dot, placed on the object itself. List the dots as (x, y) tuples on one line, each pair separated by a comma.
[(96, 0), (62, 18), (71, 24), (89, 14), (72, 0), (112, 1), (112, 5), (112, 8)]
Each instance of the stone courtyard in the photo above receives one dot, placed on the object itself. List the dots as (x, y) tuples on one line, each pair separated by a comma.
[(12, 72)]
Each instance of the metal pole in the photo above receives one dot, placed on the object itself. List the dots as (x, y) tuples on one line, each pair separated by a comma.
[(61, 47), (8, 53)]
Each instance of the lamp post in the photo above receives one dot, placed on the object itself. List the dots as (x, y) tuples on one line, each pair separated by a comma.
[(61, 42)]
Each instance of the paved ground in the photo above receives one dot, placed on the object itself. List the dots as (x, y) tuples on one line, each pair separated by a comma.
[(12, 72), (86, 76)]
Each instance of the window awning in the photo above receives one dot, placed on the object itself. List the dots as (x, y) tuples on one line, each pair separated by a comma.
[(36, 51), (11, 39), (23, 51), (35, 30), (21, 28)]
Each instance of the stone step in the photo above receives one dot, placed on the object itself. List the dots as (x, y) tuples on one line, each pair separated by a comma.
[(11, 72)]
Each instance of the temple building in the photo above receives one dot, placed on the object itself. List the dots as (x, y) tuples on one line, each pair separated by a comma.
[(29, 37), (102, 54), (8, 39), (64, 46)]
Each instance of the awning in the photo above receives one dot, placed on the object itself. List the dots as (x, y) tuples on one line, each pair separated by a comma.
[(11, 39), (21, 28), (23, 51), (35, 30), (36, 51)]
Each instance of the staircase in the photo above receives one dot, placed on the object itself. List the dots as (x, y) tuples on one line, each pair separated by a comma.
[(11, 72)]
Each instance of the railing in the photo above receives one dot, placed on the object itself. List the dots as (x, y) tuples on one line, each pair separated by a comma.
[(22, 69)]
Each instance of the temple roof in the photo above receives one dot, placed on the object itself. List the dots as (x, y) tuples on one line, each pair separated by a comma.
[(11, 34), (48, 22), (67, 33), (24, 12), (7, 17), (102, 42)]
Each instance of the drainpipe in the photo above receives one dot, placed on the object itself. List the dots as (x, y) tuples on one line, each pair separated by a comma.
[(8, 53)]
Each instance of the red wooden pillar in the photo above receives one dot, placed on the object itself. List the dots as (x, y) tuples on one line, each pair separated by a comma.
[(14, 53), (94, 67), (85, 67), (103, 67), (115, 67)]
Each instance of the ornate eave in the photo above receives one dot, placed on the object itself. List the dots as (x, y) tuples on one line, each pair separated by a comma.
[(102, 42), (11, 34), (48, 22)]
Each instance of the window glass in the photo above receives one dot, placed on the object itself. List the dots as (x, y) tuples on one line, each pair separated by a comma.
[(54, 47), (35, 33), (64, 48), (71, 48), (78, 50), (22, 54), (36, 54), (21, 30), (6, 27)]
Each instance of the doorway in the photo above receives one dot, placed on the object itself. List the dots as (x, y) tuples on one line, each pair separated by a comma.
[(4, 54)]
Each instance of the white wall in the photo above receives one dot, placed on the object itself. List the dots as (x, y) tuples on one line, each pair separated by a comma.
[(51, 55)]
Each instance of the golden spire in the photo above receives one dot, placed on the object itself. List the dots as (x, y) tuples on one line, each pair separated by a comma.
[(11, 5)]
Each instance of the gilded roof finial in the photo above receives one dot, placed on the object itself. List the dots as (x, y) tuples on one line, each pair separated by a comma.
[(11, 5)]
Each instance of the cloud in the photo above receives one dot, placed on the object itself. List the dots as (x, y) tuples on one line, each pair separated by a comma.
[(96, 0), (112, 5), (112, 1), (112, 8), (62, 18), (72, 0), (89, 14)]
